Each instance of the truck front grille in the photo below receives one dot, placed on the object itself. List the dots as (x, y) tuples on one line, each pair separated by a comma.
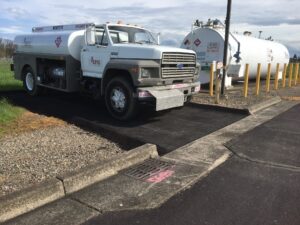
[(176, 65), (169, 72), (178, 58)]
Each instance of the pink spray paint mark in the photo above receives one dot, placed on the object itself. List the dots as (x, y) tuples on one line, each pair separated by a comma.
[(160, 176)]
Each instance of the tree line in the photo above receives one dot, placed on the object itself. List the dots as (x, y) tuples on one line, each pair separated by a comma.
[(295, 59), (6, 48)]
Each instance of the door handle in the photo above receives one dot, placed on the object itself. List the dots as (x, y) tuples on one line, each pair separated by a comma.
[(85, 50)]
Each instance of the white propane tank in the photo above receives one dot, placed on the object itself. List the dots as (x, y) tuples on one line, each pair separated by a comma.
[(55, 43), (208, 42)]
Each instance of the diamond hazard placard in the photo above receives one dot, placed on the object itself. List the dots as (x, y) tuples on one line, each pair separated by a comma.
[(197, 42)]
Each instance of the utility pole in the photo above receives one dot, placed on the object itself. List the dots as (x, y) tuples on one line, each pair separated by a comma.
[(260, 34), (227, 30)]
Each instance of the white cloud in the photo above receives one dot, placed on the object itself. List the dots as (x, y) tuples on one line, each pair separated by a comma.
[(173, 18), (11, 30)]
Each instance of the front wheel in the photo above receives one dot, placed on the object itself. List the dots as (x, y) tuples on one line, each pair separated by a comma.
[(120, 100), (30, 82)]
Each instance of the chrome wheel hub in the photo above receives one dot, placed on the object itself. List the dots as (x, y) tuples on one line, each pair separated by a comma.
[(118, 99), (29, 81)]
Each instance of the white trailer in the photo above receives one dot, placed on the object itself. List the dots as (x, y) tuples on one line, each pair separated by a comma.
[(207, 40), (122, 63)]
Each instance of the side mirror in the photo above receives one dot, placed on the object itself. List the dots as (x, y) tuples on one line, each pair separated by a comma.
[(90, 36)]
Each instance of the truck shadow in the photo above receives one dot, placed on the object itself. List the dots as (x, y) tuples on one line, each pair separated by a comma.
[(68, 107)]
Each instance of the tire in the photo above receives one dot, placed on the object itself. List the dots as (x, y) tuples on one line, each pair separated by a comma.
[(189, 99), (30, 82), (120, 100)]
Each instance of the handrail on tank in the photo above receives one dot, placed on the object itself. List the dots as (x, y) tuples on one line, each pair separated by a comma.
[(81, 26)]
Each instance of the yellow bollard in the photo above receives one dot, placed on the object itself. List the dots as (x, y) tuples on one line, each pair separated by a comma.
[(291, 74), (211, 84), (258, 79), (277, 76), (284, 75), (296, 74), (268, 78), (246, 80), (217, 89)]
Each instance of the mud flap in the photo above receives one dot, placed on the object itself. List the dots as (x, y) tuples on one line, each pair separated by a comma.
[(167, 99)]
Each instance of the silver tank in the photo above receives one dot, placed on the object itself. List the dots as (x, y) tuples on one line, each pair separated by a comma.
[(56, 43)]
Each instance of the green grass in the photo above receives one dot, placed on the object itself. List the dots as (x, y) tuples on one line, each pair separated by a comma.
[(8, 114), (7, 80)]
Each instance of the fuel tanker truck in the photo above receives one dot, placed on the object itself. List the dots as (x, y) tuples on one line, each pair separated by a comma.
[(124, 64), (207, 40)]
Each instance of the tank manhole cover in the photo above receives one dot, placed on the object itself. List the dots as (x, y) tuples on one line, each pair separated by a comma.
[(152, 170)]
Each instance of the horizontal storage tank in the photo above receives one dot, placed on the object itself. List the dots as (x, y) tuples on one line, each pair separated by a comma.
[(56, 43), (208, 42)]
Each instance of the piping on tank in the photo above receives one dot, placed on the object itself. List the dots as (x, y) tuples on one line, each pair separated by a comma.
[(207, 40)]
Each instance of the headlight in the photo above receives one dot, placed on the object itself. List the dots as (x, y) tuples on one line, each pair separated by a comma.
[(149, 73), (145, 73)]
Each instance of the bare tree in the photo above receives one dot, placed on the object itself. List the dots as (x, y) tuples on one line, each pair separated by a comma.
[(6, 48)]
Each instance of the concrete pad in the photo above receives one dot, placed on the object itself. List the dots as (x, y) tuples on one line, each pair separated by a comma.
[(125, 193), (199, 152), (78, 180), (28, 199), (65, 211)]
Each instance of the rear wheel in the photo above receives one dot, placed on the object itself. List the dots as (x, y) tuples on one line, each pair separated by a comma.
[(30, 82), (120, 100)]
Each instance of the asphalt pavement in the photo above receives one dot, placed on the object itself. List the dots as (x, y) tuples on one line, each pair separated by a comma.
[(169, 130), (259, 185)]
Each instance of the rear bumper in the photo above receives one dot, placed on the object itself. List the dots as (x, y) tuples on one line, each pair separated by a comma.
[(169, 96)]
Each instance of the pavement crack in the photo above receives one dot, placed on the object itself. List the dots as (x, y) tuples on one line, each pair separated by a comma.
[(262, 162)]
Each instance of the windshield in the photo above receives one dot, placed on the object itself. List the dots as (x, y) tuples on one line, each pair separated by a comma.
[(122, 34)]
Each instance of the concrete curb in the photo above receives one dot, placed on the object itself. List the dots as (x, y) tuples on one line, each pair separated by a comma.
[(263, 105), (28, 199), (80, 179), (220, 108)]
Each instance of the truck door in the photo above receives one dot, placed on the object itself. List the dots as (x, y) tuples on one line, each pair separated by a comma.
[(94, 58)]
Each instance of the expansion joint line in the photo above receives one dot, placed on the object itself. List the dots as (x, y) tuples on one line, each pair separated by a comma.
[(86, 205), (63, 184), (77, 200)]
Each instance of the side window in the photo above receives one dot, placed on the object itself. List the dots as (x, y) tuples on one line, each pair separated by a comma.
[(141, 37), (114, 37)]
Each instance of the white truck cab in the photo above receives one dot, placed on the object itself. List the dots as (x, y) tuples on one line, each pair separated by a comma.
[(122, 63)]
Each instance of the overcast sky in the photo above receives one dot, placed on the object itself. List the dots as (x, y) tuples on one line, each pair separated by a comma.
[(173, 18)]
